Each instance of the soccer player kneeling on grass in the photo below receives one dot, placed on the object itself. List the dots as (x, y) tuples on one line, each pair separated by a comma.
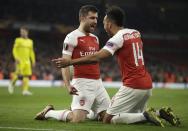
[(86, 88)]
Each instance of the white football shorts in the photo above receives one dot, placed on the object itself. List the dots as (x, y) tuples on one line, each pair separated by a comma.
[(129, 100), (91, 95)]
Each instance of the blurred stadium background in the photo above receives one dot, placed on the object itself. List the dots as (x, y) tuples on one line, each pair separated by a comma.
[(163, 25), (164, 28)]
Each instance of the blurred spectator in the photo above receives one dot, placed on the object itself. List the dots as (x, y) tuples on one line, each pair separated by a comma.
[(48, 76), (108, 78), (1, 75), (169, 77), (33, 77)]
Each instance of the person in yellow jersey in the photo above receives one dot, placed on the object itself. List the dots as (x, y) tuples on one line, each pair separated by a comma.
[(24, 57)]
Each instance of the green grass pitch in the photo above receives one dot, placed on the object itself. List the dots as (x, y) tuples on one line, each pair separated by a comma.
[(17, 111)]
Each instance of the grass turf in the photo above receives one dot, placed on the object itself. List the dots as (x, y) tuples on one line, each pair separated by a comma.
[(18, 111)]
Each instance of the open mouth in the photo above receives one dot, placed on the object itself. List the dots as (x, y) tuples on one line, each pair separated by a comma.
[(93, 25)]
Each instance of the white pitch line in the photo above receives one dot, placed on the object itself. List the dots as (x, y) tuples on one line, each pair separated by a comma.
[(30, 129), (21, 128)]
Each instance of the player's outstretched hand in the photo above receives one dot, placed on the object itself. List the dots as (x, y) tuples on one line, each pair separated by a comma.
[(61, 62), (72, 90)]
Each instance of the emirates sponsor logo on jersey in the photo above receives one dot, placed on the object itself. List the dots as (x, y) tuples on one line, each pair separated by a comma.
[(82, 102), (83, 53), (91, 51)]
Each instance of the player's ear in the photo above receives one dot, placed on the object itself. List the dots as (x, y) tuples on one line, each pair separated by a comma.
[(109, 25), (81, 18)]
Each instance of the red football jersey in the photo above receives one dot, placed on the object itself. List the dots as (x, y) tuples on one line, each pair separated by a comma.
[(128, 47), (77, 44)]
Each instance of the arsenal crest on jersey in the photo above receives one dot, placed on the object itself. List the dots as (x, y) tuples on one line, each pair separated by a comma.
[(82, 102)]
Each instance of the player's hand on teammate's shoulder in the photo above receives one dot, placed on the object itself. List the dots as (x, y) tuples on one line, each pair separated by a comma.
[(72, 90), (61, 62)]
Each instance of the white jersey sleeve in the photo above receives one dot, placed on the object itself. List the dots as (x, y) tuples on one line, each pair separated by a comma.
[(69, 44), (114, 43)]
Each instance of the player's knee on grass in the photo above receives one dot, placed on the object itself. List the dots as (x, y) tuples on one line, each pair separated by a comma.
[(107, 118), (79, 116), (69, 116)]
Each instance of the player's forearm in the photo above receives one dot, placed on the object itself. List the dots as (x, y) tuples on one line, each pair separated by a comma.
[(66, 76), (91, 58), (85, 60)]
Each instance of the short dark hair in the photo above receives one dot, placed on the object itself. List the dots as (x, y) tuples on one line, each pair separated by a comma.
[(86, 8), (24, 28), (116, 14)]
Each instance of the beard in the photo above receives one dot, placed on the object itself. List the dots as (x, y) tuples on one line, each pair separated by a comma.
[(89, 28)]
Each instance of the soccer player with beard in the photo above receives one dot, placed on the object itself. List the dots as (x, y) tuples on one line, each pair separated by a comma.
[(86, 87)]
